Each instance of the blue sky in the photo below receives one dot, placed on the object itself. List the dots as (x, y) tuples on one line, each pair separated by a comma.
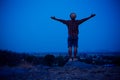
[(25, 25)]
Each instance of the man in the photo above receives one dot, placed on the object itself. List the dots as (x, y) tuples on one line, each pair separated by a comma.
[(73, 32)]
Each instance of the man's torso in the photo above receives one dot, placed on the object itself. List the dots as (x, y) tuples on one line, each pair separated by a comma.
[(72, 27)]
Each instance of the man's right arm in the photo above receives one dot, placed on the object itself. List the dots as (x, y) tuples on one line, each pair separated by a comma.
[(54, 18)]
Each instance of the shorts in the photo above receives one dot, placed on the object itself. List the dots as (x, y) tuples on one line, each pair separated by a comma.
[(72, 41)]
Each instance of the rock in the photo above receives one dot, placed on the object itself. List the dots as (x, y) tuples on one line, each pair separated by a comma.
[(71, 71), (79, 64)]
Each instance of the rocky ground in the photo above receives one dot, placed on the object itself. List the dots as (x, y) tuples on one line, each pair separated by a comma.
[(71, 71)]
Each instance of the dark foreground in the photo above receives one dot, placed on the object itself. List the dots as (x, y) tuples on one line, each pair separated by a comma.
[(70, 71)]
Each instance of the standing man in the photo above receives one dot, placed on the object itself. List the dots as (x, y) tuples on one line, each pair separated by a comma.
[(73, 32)]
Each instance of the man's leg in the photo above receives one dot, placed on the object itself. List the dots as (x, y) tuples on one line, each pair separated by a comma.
[(75, 48), (70, 48), (70, 52), (75, 52)]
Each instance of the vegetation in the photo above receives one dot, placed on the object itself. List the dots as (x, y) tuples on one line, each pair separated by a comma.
[(60, 61), (101, 59), (8, 58), (49, 60)]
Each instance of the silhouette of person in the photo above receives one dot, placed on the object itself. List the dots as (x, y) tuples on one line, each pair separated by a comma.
[(73, 32)]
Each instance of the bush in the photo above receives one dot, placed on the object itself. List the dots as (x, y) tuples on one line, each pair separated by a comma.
[(60, 61), (30, 59), (8, 58), (49, 60), (88, 60)]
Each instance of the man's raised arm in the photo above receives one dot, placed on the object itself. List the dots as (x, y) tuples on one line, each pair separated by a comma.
[(54, 18), (85, 19)]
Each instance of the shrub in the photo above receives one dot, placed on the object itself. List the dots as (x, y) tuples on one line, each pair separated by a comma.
[(60, 61), (49, 60), (8, 58)]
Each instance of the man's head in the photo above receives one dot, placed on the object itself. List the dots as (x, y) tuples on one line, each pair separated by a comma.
[(73, 16)]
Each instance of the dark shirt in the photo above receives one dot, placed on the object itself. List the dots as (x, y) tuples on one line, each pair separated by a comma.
[(73, 25)]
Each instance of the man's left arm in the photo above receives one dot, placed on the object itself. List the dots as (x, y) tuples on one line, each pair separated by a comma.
[(85, 19)]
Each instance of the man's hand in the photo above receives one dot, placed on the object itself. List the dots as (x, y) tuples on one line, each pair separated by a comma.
[(92, 15), (53, 17)]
